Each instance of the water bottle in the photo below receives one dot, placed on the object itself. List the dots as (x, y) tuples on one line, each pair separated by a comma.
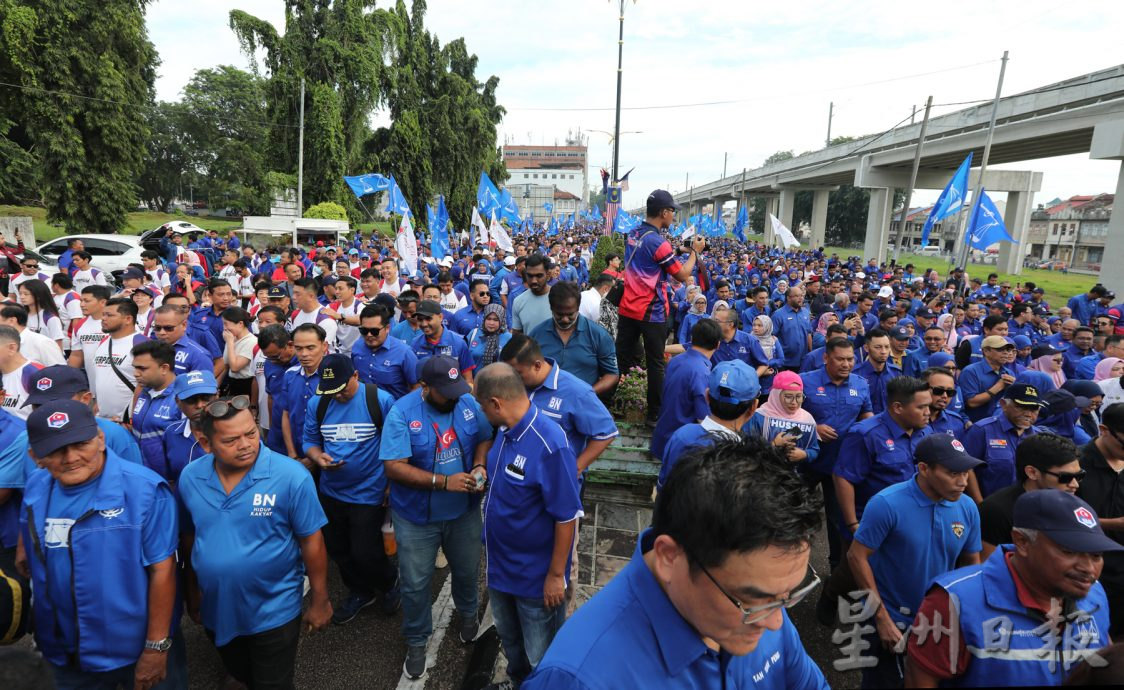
[(388, 543)]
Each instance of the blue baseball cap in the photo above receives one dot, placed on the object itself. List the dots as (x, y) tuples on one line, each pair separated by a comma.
[(661, 198), (60, 423), (1061, 516), (899, 333), (193, 383), (734, 382), (58, 382), (335, 371), (942, 449)]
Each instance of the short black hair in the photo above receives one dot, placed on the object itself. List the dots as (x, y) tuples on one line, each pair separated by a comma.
[(161, 352), (706, 333), (275, 310), (216, 283), (839, 343), (274, 334), (728, 411), (376, 310), (735, 497), (15, 311), (1043, 451), (887, 314), (521, 349), (901, 389), (603, 280), (64, 281), (238, 315), (125, 306), (936, 371), (991, 322), (307, 284), (562, 291), (537, 259)]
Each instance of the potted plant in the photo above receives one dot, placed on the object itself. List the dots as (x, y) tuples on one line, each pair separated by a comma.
[(631, 399)]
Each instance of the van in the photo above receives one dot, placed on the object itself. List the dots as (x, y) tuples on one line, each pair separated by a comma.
[(930, 250)]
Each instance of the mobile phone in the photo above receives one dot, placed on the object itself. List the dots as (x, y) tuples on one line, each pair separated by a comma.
[(793, 432)]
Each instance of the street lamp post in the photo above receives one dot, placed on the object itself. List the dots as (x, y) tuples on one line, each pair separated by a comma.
[(620, 73)]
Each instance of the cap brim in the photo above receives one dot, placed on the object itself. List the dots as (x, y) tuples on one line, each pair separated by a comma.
[(37, 397), (1027, 403), (453, 388), (333, 391), (200, 389), (1083, 541), (54, 441)]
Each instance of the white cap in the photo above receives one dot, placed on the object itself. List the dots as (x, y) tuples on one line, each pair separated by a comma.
[(885, 291), (860, 275), (509, 260), (445, 262)]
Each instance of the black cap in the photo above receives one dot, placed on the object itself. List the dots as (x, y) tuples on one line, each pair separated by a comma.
[(660, 199), (428, 308), (1059, 401), (443, 374), (1043, 351), (1064, 518), (926, 313), (1040, 311), (942, 449), (59, 423), (277, 292), (335, 372), (59, 382), (899, 333), (1023, 394), (387, 300)]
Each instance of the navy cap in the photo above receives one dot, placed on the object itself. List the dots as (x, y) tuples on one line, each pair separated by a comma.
[(1059, 401), (443, 374), (1064, 518), (132, 273), (277, 292), (734, 382), (192, 383), (1023, 394), (1044, 350), (1040, 311), (925, 313), (942, 449), (335, 372), (58, 424), (387, 300), (328, 280), (899, 333), (661, 198), (428, 308), (59, 382)]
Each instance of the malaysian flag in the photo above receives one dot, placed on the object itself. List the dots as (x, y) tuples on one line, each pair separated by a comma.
[(623, 182), (612, 206)]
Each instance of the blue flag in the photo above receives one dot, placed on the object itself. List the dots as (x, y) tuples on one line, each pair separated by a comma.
[(741, 224), (596, 213), (552, 229), (439, 231), (371, 183), (949, 202), (508, 209), (487, 196), (395, 202), (625, 222), (986, 227), (548, 207)]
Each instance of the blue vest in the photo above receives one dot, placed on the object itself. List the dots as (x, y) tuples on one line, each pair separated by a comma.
[(997, 629), (108, 637)]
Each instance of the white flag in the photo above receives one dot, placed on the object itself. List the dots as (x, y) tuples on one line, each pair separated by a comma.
[(784, 235), (688, 232), (407, 245), (503, 240), (481, 229)]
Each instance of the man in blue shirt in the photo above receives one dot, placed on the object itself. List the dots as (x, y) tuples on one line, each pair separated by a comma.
[(380, 358), (343, 439), (276, 347), (942, 418), (197, 333), (169, 326), (435, 339), (299, 383), (685, 384), (735, 343), (877, 370), (1084, 307), (579, 346), (14, 467), (996, 438), (792, 325), (702, 602), (154, 409), (99, 531), (878, 452), (252, 533), (1081, 347), (470, 316), (982, 383), (193, 391), (530, 517), (433, 446), (910, 533)]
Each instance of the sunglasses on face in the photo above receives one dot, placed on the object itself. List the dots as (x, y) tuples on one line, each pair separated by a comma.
[(371, 331), (1066, 477), (163, 329), (936, 390)]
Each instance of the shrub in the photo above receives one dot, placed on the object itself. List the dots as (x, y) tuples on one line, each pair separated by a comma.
[(326, 210)]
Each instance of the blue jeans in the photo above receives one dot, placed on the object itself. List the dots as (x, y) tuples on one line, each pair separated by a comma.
[(526, 628), (68, 678), (417, 552)]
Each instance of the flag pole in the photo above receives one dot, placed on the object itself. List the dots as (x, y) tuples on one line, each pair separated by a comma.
[(983, 163), (912, 179), (620, 73)]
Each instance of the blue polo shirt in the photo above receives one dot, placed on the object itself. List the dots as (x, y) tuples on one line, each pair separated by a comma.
[(914, 540), (589, 354), (876, 382), (404, 331), (737, 347), (466, 319), (533, 486), (1071, 358), (206, 319), (191, 356), (950, 422), (630, 635), (449, 344), (975, 379), (205, 338), (350, 437), (684, 396), (876, 453), (571, 404), (13, 468), (837, 406), (152, 415), (297, 388), (792, 327), (393, 367), (994, 440), (477, 345), (181, 448), (246, 553), (274, 387)]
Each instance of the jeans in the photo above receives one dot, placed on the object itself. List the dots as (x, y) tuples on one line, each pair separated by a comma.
[(417, 553), (888, 673), (263, 661), (69, 678), (836, 550), (526, 628), (655, 339), (353, 537)]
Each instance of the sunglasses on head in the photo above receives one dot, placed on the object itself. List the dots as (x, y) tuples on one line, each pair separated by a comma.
[(224, 407)]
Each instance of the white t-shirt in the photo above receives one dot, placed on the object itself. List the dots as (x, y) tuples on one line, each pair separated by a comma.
[(84, 279), (46, 323), (1112, 391), (346, 334), (392, 288), (70, 308), (16, 387), (259, 373), (40, 348), (452, 301), (244, 348), (229, 274), (21, 278), (590, 306), (318, 317), (113, 396), (159, 278), (86, 337)]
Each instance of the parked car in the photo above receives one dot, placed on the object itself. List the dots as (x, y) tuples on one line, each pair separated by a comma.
[(150, 239), (111, 253)]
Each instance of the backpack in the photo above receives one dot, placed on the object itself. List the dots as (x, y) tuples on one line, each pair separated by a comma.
[(15, 608), (371, 392)]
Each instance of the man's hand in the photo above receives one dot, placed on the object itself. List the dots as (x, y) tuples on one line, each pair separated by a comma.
[(554, 590), (21, 561), (461, 483), (318, 615), (151, 668), (698, 244), (327, 462), (1006, 380), (826, 432), (330, 313), (888, 632)]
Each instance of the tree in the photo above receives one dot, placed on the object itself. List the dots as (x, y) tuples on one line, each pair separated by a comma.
[(167, 158), (779, 156), (328, 210), (87, 70)]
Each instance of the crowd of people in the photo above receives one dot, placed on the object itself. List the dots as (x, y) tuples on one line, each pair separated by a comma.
[(207, 435)]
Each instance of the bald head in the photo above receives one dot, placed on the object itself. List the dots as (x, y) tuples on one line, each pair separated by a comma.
[(499, 381)]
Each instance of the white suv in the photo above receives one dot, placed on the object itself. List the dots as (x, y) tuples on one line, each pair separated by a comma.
[(111, 253)]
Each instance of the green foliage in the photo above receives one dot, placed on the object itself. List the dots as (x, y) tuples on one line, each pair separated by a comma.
[(168, 156), (328, 210), (88, 70), (608, 244), (779, 156)]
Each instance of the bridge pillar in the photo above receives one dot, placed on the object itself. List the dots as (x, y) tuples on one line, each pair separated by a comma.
[(1017, 219), (787, 208), (819, 217), (877, 223), (1108, 144)]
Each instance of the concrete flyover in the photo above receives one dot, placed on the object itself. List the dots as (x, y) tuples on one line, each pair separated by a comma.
[(1053, 120)]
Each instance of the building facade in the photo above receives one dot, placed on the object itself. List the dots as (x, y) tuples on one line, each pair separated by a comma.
[(1071, 231), (538, 173)]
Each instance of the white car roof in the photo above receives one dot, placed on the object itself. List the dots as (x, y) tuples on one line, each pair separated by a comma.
[(124, 239)]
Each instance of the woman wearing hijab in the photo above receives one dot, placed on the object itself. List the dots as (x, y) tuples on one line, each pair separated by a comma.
[(783, 422), (696, 313), (765, 352), (1108, 368), (1049, 361), (947, 323), (1024, 353), (819, 338), (1090, 419), (1061, 414), (485, 342)]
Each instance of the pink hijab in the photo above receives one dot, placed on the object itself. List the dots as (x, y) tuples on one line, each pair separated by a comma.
[(1045, 365), (786, 382), (1104, 368)]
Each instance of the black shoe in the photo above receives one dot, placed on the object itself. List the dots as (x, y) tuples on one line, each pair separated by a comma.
[(469, 628), (415, 662), (351, 607)]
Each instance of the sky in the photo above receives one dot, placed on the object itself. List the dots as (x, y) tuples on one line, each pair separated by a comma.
[(782, 64)]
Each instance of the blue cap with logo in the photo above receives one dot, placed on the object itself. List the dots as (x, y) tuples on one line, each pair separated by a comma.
[(899, 333), (942, 449), (1064, 518), (58, 382), (58, 424), (660, 199), (443, 374), (193, 383), (733, 382)]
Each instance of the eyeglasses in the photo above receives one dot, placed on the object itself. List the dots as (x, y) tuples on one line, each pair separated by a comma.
[(226, 406), (161, 329), (792, 397), (371, 331), (31, 265), (936, 390), (1067, 477), (759, 613)]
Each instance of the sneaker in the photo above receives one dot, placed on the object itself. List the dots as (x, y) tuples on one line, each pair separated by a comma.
[(502, 685), (351, 607), (415, 662), (469, 627), (441, 561), (391, 600)]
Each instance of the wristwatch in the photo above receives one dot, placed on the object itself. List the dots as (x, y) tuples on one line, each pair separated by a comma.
[(158, 645)]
